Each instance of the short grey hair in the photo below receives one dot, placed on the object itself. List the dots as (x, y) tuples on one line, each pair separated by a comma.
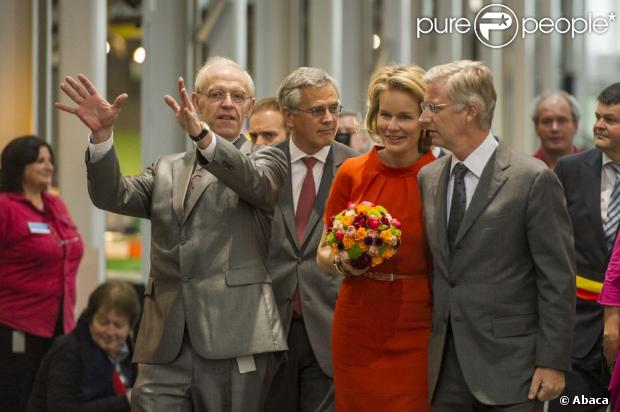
[(467, 82), (570, 99), (218, 61), (288, 93)]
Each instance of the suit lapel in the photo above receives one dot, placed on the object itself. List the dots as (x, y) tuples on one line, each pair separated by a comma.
[(491, 180), (182, 169), (207, 178), (440, 200), (286, 198), (591, 186)]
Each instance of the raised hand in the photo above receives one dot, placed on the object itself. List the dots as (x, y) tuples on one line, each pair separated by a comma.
[(92, 109), (184, 111)]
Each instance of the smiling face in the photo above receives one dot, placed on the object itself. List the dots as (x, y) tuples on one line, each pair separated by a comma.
[(312, 132), (607, 130), (398, 126), (224, 117), (555, 127), (38, 174), (109, 330)]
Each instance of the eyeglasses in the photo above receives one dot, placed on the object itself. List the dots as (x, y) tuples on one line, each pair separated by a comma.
[(218, 96), (320, 111), (433, 106)]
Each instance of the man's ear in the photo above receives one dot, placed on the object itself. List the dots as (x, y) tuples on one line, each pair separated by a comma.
[(195, 101), (251, 104), (288, 117), (472, 112)]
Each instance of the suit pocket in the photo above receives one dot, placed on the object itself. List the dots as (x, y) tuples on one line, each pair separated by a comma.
[(515, 325), (247, 276)]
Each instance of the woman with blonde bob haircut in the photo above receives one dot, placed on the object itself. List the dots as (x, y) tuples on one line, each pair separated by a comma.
[(383, 314)]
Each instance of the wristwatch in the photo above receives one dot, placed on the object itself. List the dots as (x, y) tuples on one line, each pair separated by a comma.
[(203, 133)]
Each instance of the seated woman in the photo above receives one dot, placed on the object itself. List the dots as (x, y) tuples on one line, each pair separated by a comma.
[(90, 369)]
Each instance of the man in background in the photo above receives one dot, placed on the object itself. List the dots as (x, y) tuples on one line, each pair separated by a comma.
[(266, 124), (556, 121)]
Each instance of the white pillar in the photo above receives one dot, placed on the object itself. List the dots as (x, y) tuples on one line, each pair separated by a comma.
[(397, 30), (325, 36), (229, 37), (82, 50)]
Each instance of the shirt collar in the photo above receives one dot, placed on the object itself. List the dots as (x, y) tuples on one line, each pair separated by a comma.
[(606, 159), (297, 153), (477, 160)]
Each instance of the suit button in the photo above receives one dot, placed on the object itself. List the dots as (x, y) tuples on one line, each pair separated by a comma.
[(182, 241), (300, 261), (185, 279), (452, 283)]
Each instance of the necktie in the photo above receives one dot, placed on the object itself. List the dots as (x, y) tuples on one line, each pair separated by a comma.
[(459, 203), (304, 209), (306, 199), (613, 210)]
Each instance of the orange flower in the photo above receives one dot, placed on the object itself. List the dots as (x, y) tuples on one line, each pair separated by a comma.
[(360, 234), (348, 242), (363, 246), (362, 208), (388, 252), (335, 249), (376, 260)]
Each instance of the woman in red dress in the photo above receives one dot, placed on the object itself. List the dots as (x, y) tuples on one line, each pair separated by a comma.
[(381, 327)]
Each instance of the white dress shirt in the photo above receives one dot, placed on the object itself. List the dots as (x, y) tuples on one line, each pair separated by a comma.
[(475, 164), (299, 169)]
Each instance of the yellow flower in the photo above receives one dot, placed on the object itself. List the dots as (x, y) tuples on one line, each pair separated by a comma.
[(360, 234), (346, 220), (388, 252), (386, 235), (362, 208), (376, 260), (348, 242)]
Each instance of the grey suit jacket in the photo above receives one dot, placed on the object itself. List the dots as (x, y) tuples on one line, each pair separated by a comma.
[(208, 269), (580, 175), (290, 263), (508, 287)]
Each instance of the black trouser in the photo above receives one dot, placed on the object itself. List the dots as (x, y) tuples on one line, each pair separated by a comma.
[(17, 370)]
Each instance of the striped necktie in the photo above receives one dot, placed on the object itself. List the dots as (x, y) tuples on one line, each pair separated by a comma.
[(613, 210)]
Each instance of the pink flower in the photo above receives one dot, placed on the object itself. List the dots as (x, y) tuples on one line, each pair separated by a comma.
[(339, 235), (395, 223), (373, 222)]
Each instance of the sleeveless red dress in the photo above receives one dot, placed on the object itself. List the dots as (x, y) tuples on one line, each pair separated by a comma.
[(381, 329)]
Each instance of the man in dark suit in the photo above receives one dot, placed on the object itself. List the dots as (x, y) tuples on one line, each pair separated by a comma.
[(306, 295), (589, 179), (500, 234), (210, 336)]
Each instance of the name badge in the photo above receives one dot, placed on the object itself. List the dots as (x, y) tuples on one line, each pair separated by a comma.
[(246, 363), (39, 228)]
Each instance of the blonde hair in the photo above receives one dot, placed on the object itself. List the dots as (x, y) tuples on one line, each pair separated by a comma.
[(468, 82), (407, 79)]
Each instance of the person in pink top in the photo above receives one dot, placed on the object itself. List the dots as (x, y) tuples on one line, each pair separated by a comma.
[(40, 250), (610, 297)]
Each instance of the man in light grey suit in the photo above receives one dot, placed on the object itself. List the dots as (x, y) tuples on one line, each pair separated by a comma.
[(503, 272), (306, 295), (210, 333)]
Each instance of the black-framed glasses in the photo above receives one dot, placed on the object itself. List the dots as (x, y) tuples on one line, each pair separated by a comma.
[(319, 111), (218, 96), (433, 106)]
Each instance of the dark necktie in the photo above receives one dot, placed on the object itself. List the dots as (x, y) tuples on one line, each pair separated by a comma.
[(306, 199), (459, 203), (304, 209), (613, 210)]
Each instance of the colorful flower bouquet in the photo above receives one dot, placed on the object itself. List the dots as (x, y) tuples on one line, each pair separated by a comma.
[(363, 235)]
